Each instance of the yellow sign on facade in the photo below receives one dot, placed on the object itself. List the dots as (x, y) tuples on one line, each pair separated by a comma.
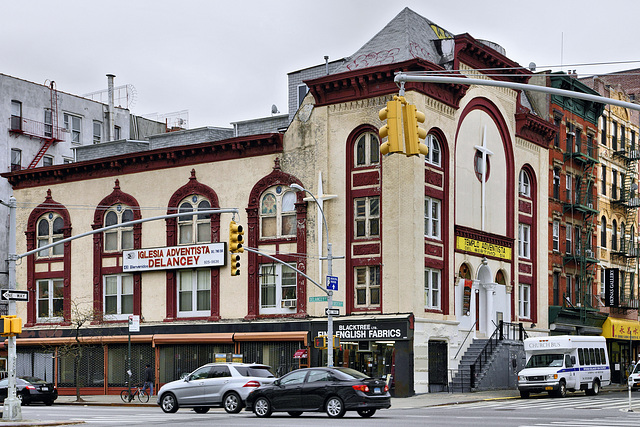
[(621, 329), (483, 248)]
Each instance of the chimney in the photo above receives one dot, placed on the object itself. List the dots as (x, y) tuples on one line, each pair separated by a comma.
[(110, 118)]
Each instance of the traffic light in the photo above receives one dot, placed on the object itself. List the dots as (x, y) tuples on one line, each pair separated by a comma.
[(393, 129), (320, 342), (235, 238), (412, 133), (336, 341), (11, 325), (235, 265)]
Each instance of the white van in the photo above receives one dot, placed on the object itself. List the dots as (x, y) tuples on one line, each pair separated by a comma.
[(634, 377), (556, 364)]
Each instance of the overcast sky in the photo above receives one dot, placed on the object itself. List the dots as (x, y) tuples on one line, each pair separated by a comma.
[(227, 61)]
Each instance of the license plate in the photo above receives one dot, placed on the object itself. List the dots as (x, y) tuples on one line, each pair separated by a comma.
[(376, 390), (45, 389), (548, 388)]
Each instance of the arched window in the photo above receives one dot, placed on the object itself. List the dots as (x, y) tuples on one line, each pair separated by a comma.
[(614, 235), (120, 238), (524, 184), (50, 228), (433, 156), (603, 232), (622, 237), (278, 212), (367, 150), (500, 279), (194, 228)]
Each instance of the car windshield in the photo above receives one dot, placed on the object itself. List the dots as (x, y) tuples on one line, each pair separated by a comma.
[(350, 374), (637, 368), (545, 361), (255, 371)]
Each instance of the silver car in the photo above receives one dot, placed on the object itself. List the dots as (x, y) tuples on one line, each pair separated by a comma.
[(215, 384)]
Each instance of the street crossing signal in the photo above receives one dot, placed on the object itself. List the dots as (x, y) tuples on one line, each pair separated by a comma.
[(235, 265), (392, 130), (412, 133), (235, 238), (320, 342), (11, 325)]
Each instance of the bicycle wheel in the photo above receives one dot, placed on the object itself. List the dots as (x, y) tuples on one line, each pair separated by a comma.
[(124, 395), (143, 396)]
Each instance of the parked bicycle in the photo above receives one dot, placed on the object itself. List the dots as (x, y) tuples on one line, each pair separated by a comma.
[(129, 394)]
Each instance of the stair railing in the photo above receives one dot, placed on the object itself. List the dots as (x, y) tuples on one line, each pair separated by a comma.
[(473, 328)]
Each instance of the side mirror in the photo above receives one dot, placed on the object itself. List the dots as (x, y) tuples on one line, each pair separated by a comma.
[(276, 383)]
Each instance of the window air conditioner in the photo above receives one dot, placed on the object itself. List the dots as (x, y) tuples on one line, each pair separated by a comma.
[(289, 303)]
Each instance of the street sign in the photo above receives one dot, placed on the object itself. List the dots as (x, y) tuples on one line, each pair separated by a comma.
[(332, 283), (332, 311), (134, 323), (338, 303), (12, 295), (319, 299)]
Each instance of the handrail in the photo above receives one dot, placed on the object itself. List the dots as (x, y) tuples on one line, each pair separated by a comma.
[(465, 338)]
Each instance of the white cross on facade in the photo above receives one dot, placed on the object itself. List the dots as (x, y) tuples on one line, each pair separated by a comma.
[(321, 197), (485, 152)]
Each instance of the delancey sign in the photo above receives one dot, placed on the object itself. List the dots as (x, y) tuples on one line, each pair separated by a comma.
[(190, 256)]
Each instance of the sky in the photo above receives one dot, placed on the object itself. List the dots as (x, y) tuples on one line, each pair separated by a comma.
[(227, 61)]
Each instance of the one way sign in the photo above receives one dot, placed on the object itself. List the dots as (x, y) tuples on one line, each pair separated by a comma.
[(12, 295)]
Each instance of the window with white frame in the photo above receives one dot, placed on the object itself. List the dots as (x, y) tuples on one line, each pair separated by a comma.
[(50, 231), (50, 299), (524, 301), (278, 212), (16, 159), (568, 241), (302, 92), (524, 184), (118, 296), (97, 132), (431, 218), (367, 286), (556, 235), (569, 188), (16, 115), (116, 133), (431, 289), (433, 156), (569, 289), (278, 289), (74, 125), (367, 150), (524, 233), (194, 228), (367, 216), (48, 123), (120, 238), (194, 292), (47, 161)]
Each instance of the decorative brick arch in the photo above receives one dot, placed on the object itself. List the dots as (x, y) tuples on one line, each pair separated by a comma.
[(193, 187), (49, 205), (276, 177), (117, 196)]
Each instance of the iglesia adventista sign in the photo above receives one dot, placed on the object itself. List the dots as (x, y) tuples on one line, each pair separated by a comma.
[(188, 256)]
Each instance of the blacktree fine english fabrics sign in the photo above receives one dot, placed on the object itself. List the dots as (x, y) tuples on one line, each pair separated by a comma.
[(189, 256)]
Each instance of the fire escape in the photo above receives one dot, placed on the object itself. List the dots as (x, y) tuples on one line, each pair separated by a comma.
[(48, 131), (583, 157), (627, 203)]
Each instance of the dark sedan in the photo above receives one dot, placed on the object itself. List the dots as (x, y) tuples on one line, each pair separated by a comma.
[(30, 389), (334, 390)]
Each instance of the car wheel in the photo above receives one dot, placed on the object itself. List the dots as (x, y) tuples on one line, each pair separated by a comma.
[(262, 407), (562, 390), (232, 403), (201, 409), (295, 413), (366, 413), (335, 407), (168, 403), (524, 394), (594, 390)]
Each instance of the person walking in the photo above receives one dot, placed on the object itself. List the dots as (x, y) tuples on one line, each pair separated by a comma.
[(148, 379)]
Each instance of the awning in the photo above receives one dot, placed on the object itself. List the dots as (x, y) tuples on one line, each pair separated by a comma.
[(621, 329)]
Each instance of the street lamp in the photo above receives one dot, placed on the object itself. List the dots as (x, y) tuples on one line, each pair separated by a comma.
[(297, 187)]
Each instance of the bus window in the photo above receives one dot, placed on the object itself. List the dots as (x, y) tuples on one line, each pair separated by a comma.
[(587, 359), (602, 356), (567, 361), (597, 353), (592, 352), (580, 356)]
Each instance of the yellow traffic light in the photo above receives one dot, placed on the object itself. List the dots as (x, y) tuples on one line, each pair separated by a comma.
[(412, 133), (235, 265), (11, 325), (393, 129), (235, 238)]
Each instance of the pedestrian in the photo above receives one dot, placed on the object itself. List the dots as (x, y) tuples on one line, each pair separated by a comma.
[(148, 379)]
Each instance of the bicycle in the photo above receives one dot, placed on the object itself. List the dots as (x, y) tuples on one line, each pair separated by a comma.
[(129, 394)]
